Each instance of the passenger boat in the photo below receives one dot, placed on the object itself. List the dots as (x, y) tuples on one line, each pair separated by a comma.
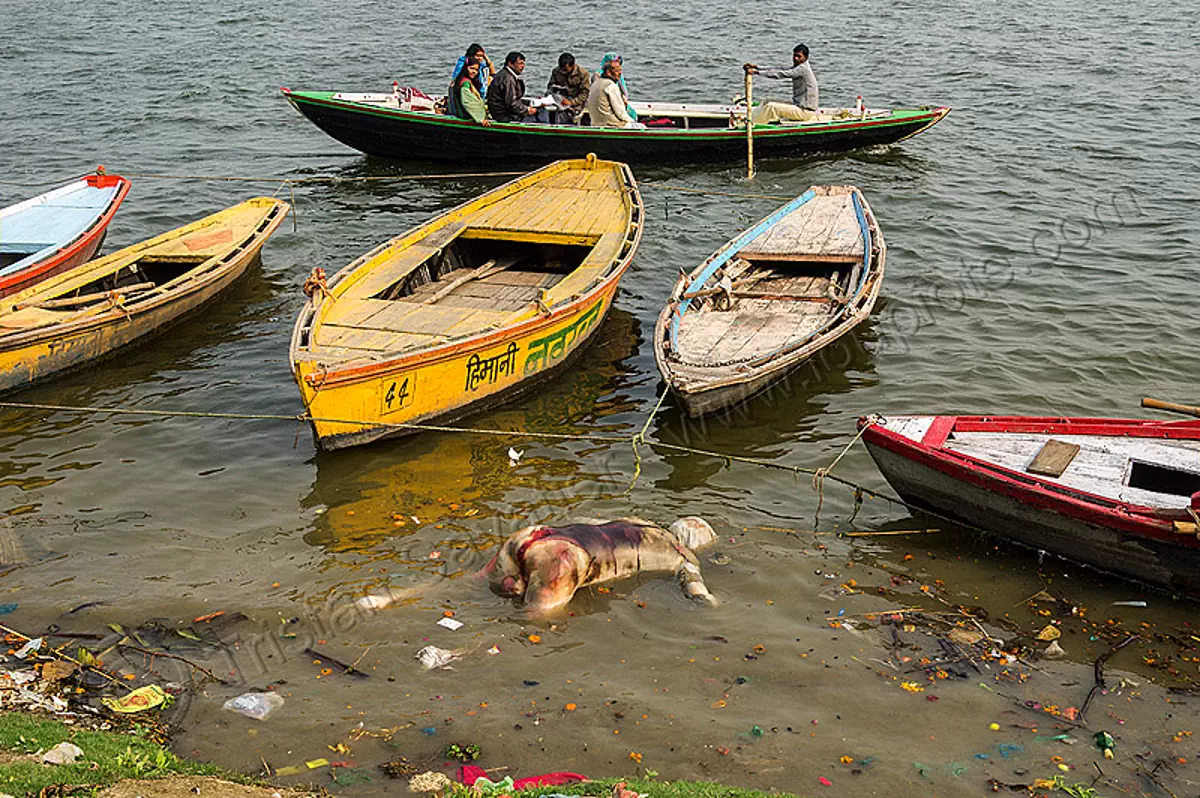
[(87, 313), (1119, 495), (387, 126), (470, 307), (768, 300), (52, 232)]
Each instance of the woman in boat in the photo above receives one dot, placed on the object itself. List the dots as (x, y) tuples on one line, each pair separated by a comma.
[(486, 70), (464, 98)]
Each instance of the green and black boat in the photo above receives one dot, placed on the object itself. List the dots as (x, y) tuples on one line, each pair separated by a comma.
[(390, 126)]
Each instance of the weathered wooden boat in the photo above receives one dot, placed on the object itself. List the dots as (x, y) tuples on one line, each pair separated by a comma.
[(469, 308), (384, 125), (1119, 495), (87, 313), (52, 232), (771, 298)]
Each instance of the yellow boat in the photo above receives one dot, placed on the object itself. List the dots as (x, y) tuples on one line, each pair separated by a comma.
[(468, 309), (88, 312)]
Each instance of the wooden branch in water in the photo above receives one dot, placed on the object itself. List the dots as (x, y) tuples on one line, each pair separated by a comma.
[(882, 533), (152, 654), (1098, 666)]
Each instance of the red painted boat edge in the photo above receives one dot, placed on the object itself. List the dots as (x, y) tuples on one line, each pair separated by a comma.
[(78, 251), (1035, 492)]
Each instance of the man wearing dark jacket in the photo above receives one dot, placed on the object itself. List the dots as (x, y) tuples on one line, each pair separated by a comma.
[(504, 96)]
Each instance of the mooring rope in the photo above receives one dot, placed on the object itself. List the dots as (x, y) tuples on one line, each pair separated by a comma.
[(639, 437), (291, 182)]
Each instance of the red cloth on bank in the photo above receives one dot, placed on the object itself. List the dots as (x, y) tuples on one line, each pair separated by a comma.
[(469, 774)]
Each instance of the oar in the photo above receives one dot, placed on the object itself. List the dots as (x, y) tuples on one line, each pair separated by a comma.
[(749, 127), (1158, 404)]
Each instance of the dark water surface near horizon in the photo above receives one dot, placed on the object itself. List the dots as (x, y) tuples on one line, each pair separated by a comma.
[(1042, 261)]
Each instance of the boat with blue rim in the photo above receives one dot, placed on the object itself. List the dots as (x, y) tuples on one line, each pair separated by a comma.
[(771, 298), (58, 230)]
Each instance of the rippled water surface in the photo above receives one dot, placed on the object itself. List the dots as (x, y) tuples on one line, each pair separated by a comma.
[(1042, 260)]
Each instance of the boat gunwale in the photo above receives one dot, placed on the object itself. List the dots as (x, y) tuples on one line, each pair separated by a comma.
[(1136, 519), (931, 116), (211, 269), (356, 372)]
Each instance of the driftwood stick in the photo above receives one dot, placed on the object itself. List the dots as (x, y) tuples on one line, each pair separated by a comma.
[(1098, 667), (59, 655), (350, 670), (152, 654)]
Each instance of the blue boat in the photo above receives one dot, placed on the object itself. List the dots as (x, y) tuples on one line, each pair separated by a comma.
[(52, 232)]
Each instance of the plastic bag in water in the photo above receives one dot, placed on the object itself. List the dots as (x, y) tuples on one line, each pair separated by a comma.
[(255, 705)]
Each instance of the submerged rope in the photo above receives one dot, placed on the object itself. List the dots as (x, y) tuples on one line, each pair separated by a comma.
[(824, 473)]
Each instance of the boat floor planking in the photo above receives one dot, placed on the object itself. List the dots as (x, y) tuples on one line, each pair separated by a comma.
[(431, 326), (84, 315)]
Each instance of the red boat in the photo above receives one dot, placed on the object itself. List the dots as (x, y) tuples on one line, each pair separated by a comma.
[(52, 232), (1120, 495)]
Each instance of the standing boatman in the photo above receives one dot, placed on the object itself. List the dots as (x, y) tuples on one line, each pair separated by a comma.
[(805, 95)]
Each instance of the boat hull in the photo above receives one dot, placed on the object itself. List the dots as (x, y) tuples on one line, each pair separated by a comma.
[(1140, 549), (412, 334), (30, 357), (444, 386), (391, 133)]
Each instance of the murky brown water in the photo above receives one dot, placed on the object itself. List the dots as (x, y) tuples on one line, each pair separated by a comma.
[(1040, 247)]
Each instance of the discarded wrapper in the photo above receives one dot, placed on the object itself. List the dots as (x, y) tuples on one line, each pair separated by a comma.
[(62, 754), (27, 649), (1054, 651), (433, 657), (256, 706), (139, 700), (1050, 632), (450, 624)]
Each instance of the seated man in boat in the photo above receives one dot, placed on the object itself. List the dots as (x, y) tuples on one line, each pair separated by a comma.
[(505, 101), (805, 96), (608, 100), (464, 99), (569, 84)]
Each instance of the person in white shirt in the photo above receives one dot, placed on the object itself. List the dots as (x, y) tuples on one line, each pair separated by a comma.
[(608, 105)]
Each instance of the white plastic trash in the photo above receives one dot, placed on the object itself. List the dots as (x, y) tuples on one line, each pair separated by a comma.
[(433, 657), (62, 754), (255, 705)]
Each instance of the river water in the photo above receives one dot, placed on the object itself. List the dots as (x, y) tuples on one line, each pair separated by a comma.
[(1042, 247)]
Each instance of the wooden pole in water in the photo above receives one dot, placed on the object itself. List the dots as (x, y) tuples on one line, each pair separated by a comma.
[(749, 126), (1172, 407)]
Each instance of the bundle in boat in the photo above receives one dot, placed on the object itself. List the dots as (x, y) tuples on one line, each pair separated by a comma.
[(770, 299), (468, 309), (58, 230), (90, 311)]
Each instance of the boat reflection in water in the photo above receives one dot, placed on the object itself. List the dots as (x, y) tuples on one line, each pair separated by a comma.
[(461, 488)]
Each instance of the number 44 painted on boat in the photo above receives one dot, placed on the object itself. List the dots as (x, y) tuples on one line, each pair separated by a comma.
[(398, 393)]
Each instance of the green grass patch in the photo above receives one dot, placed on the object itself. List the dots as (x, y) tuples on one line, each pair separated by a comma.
[(107, 757), (658, 789)]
